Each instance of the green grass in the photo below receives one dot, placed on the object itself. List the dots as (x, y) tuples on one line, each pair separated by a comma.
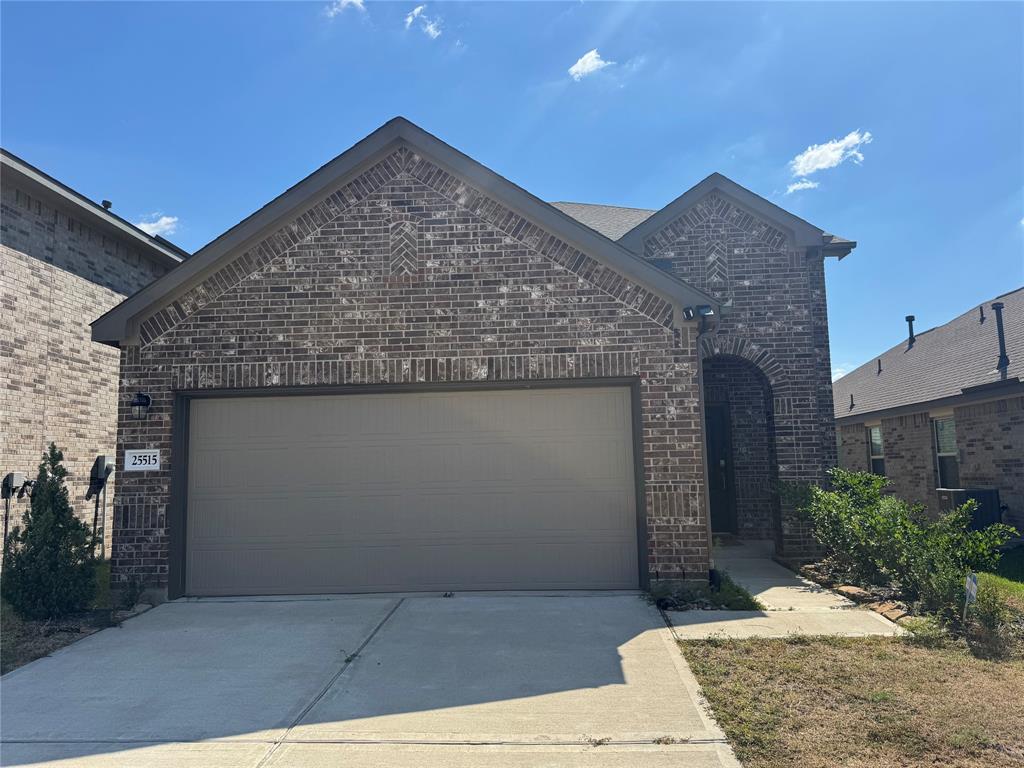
[(1011, 565), (1009, 577)]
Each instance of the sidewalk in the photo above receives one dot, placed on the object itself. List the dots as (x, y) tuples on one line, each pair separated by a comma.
[(793, 605)]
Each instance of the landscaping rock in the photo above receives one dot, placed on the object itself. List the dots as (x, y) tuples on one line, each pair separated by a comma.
[(892, 611), (854, 593)]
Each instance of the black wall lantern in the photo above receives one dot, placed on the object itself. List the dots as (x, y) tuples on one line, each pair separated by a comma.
[(140, 405)]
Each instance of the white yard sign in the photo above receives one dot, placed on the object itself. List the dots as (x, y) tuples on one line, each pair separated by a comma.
[(146, 460)]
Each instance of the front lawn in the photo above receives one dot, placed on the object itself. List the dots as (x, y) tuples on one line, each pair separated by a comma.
[(1009, 577), (25, 640), (878, 702)]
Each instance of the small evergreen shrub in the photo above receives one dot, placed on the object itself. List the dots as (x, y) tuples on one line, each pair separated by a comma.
[(49, 570)]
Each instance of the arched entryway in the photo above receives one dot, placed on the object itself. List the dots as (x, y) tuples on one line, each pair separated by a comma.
[(741, 454)]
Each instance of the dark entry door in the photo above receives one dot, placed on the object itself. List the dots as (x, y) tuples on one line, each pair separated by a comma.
[(722, 489)]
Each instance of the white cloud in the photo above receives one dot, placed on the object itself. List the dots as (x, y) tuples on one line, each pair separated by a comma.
[(158, 224), (411, 16), (431, 26), (838, 371), (338, 6), (589, 63), (797, 186), (820, 157)]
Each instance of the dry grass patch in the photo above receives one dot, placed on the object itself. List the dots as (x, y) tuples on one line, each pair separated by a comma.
[(871, 702)]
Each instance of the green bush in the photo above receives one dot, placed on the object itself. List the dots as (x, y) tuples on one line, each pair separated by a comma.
[(842, 523), (992, 630), (880, 539), (49, 570)]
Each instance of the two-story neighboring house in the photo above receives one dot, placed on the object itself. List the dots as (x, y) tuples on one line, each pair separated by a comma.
[(64, 260), (408, 373), (943, 409)]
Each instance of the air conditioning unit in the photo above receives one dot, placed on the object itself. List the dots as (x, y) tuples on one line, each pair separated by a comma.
[(989, 510)]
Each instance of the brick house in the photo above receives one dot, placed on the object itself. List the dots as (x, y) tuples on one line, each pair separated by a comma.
[(408, 373), (943, 409), (64, 260)]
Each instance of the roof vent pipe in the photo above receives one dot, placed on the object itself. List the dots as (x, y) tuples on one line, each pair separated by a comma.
[(981, 310), (1004, 360), (106, 204), (910, 327), (879, 366)]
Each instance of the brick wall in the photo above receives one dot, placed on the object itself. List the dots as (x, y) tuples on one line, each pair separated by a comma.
[(853, 448), (990, 444), (909, 460), (407, 274), (990, 438), (778, 322), (56, 276), (738, 384)]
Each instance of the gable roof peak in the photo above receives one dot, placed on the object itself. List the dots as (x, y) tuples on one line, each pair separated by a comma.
[(803, 233), (122, 322)]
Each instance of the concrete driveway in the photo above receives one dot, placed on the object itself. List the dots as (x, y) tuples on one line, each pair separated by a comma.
[(474, 680)]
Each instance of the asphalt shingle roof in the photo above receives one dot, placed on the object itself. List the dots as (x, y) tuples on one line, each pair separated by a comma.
[(612, 221), (942, 363)]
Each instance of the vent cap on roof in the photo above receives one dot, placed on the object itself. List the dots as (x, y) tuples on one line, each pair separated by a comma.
[(1004, 359)]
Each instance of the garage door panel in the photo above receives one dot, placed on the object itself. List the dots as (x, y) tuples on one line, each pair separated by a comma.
[(220, 519), (443, 566), (469, 490)]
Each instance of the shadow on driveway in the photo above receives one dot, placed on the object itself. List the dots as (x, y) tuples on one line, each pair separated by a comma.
[(473, 669)]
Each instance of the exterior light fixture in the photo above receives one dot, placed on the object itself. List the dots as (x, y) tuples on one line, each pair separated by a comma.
[(140, 405)]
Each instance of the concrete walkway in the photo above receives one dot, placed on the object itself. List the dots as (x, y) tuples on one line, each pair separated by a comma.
[(471, 681), (793, 605)]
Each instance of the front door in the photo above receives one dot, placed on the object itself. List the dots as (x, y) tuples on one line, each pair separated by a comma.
[(722, 489)]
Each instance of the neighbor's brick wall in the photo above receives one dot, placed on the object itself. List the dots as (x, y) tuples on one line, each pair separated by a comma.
[(56, 276), (778, 322), (853, 448), (739, 385), (909, 461), (990, 438), (409, 275), (990, 443)]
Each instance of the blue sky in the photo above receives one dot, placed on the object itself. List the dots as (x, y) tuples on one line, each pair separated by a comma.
[(196, 114)]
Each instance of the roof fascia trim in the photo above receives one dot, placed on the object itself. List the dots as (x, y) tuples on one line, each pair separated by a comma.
[(156, 251), (1012, 389)]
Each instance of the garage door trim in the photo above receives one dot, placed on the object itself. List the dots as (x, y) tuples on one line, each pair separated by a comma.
[(177, 513)]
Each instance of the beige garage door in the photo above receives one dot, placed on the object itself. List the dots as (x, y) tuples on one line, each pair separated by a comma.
[(515, 489)]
